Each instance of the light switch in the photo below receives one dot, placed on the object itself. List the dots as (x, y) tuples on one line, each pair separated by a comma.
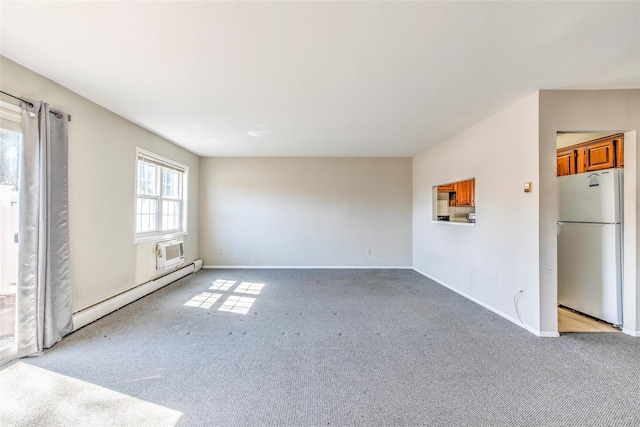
[(527, 187)]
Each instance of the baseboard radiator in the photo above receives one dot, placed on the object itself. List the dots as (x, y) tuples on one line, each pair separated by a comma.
[(101, 309)]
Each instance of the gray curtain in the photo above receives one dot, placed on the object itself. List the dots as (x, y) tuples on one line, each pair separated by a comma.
[(44, 295)]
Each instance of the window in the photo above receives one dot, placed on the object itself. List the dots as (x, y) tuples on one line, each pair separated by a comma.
[(161, 188)]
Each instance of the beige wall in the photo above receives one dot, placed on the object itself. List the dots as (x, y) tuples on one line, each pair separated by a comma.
[(104, 260), (491, 261), (305, 211), (610, 111)]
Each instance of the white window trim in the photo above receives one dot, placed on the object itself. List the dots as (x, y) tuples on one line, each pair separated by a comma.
[(10, 116), (160, 235)]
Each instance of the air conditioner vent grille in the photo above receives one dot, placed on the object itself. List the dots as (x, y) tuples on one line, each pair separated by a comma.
[(174, 251)]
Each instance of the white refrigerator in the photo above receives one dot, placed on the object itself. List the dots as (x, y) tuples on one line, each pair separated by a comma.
[(590, 243)]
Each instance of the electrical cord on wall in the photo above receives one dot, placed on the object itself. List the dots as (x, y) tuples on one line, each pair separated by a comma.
[(516, 298)]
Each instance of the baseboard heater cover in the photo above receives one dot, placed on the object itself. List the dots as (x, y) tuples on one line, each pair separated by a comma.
[(95, 312)]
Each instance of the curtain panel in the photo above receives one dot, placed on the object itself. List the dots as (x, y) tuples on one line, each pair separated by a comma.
[(44, 297)]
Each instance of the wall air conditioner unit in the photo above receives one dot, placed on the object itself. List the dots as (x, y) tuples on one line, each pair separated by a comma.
[(169, 255)]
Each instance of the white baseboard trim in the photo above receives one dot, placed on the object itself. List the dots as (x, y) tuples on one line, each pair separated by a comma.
[(95, 312), (631, 332), (490, 308), (547, 334), (308, 267)]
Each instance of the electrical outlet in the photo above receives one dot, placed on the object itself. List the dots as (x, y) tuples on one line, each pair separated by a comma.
[(219, 251), (369, 251), (78, 293)]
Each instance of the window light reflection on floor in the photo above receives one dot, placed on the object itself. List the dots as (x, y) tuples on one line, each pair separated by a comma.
[(203, 300), (237, 304), (222, 285), (234, 303), (249, 288)]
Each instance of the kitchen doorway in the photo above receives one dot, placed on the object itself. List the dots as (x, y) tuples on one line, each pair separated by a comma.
[(590, 174)]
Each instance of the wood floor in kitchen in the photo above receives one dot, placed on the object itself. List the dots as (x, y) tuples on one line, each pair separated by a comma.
[(569, 321)]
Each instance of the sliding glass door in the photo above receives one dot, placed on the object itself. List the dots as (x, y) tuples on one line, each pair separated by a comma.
[(10, 146)]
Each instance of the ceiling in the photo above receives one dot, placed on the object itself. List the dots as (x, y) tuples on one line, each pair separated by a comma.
[(320, 78)]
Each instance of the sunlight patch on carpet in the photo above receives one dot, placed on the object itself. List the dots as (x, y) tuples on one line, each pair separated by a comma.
[(35, 396), (222, 285), (203, 300), (249, 288), (236, 304)]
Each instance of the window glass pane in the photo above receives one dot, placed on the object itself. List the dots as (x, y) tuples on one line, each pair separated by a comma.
[(147, 214), (170, 183), (9, 158), (171, 213), (147, 179)]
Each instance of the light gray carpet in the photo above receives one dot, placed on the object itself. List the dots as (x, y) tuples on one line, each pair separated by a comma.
[(346, 347)]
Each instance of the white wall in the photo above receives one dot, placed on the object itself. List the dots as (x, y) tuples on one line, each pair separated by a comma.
[(104, 260), (305, 211), (492, 261), (612, 111)]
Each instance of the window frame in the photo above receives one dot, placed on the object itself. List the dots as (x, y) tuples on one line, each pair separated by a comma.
[(11, 116), (147, 236)]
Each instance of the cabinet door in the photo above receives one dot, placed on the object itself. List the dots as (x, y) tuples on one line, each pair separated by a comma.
[(599, 155), (566, 162), (620, 152), (461, 193), (465, 193), (446, 188)]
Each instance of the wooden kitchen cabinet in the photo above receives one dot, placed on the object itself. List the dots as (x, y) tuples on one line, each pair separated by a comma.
[(566, 162), (446, 188), (599, 155), (465, 193), (620, 153), (603, 153), (461, 193)]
